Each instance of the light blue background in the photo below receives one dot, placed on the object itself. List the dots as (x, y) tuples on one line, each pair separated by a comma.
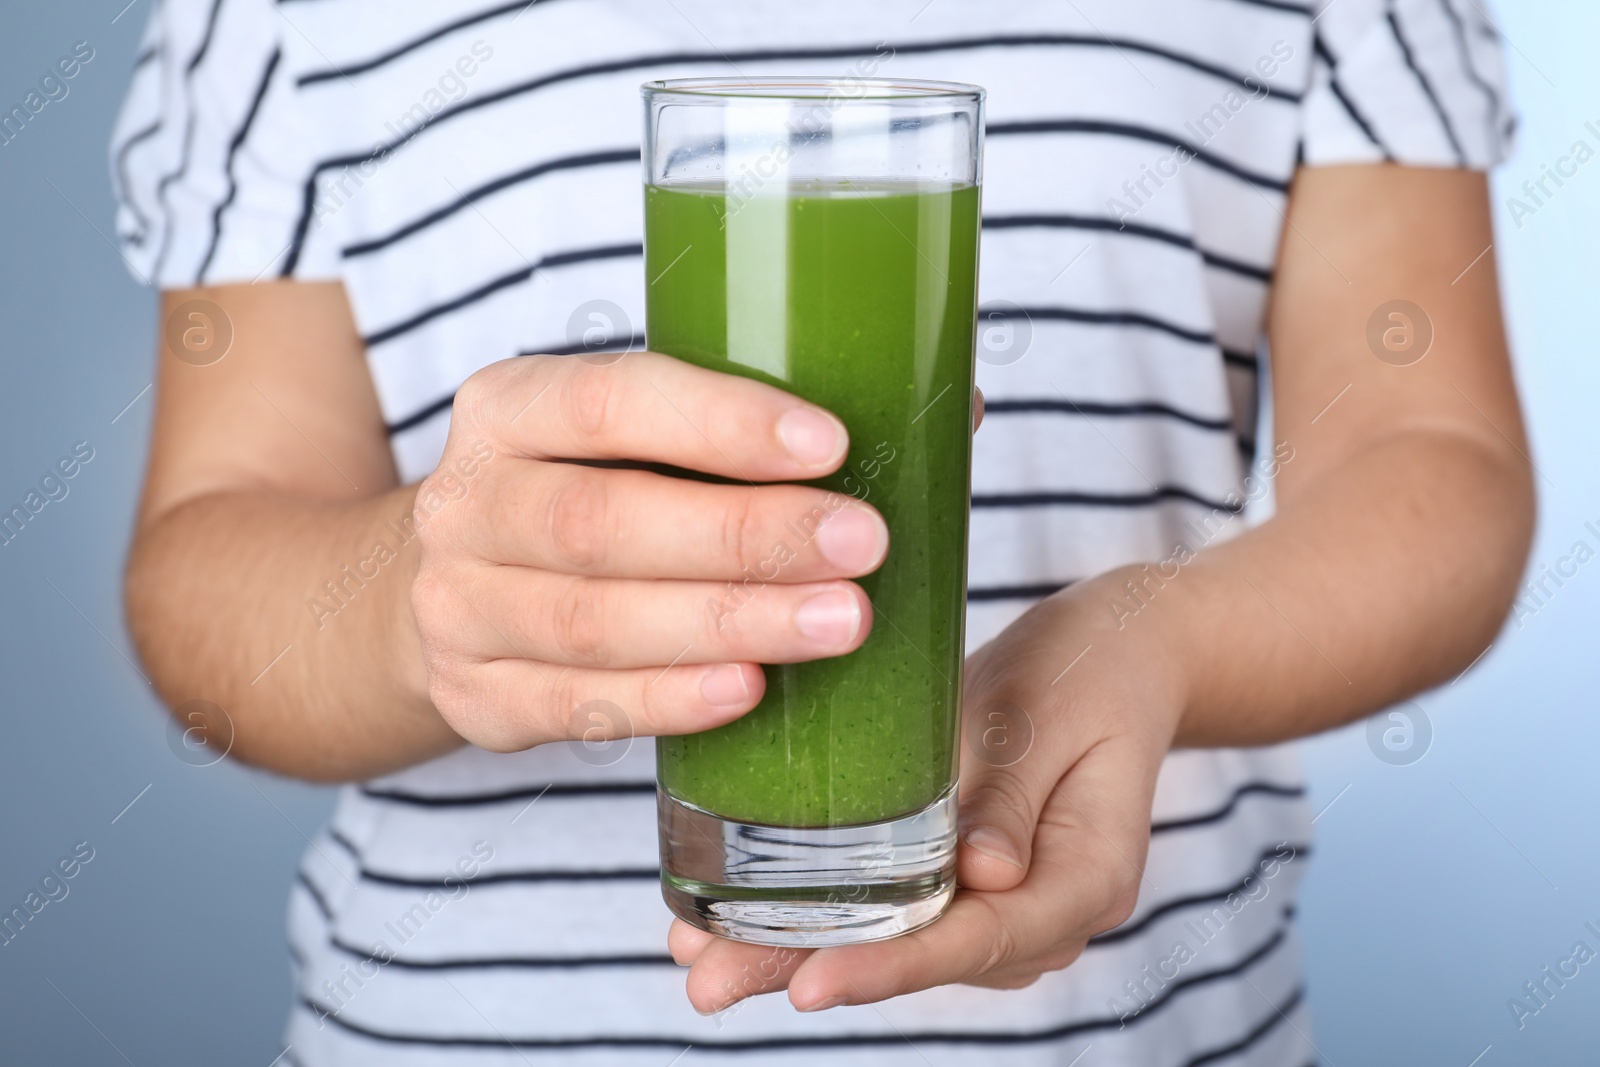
[(1437, 891)]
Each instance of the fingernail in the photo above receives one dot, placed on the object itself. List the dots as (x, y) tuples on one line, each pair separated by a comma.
[(993, 843), (707, 1013), (829, 619), (824, 1005), (724, 686), (813, 437), (853, 538)]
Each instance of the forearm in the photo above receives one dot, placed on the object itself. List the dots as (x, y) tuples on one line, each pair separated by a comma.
[(1388, 573), (285, 613)]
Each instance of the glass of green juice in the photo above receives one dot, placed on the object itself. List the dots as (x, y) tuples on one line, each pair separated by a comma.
[(821, 235)]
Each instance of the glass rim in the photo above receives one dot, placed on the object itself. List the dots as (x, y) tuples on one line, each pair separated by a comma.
[(845, 89)]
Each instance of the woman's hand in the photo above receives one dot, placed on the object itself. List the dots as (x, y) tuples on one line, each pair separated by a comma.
[(1067, 721), (1418, 480), (545, 585)]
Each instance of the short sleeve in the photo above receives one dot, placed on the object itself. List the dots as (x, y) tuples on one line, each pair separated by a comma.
[(210, 155), (1420, 82)]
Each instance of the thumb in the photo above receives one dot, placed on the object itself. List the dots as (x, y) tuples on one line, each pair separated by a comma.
[(1003, 788)]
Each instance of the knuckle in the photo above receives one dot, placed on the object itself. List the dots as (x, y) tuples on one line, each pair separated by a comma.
[(481, 388), (589, 400), (999, 942), (741, 527), (1002, 949), (427, 533), (576, 624), (1016, 980), (433, 493), (447, 696), (429, 604), (453, 691), (1124, 899), (493, 394), (1114, 894), (435, 606), (1059, 959), (470, 396), (578, 520), (723, 625), (657, 703), (1000, 795), (560, 698), (452, 494)]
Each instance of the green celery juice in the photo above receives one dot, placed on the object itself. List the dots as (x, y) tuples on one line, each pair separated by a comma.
[(861, 299)]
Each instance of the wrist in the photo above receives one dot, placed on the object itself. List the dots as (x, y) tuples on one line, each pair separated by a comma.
[(401, 641), (1131, 621)]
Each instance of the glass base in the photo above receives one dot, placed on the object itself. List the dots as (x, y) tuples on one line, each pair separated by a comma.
[(807, 887)]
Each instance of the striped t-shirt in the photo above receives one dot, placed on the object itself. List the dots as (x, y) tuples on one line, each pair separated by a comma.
[(471, 174)]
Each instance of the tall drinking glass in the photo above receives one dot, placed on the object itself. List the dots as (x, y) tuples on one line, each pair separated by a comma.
[(822, 236)]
